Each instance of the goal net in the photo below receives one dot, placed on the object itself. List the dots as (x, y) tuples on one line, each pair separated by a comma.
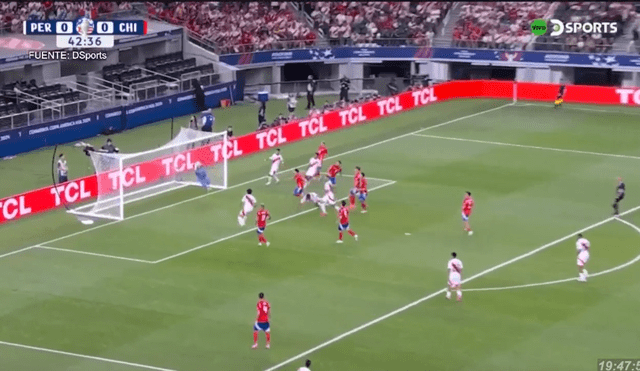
[(123, 178)]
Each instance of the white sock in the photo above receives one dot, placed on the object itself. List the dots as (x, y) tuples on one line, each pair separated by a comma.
[(275, 177), (322, 207), (581, 275), (459, 293), (240, 220), (586, 274), (448, 294)]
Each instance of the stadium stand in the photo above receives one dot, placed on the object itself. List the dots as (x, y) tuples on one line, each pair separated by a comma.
[(238, 27), (388, 23)]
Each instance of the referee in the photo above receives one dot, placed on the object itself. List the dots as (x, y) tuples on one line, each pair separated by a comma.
[(312, 85), (344, 88), (619, 196)]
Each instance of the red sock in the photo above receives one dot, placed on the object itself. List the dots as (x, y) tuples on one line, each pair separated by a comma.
[(255, 337), (268, 335), (264, 239), (352, 200), (341, 236), (364, 206), (351, 232)]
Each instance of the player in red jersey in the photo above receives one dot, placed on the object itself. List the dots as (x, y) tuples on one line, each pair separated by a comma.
[(300, 183), (343, 220), (467, 207), (262, 322), (354, 190), (362, 192), (333, 171), (261, 223)]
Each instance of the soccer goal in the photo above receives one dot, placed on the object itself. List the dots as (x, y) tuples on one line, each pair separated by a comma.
[(123, 178)]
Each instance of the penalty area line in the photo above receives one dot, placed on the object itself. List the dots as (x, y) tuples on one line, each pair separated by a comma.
[(77, 355), (253, 229), (441, 291), (93, 254)]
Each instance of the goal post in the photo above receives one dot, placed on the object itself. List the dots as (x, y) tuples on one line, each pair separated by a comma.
[(123, 178)]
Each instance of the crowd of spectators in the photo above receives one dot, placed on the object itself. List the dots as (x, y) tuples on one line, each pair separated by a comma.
[(502, 25), (379, 22), (582, 12), (12, 14), (238, 27)]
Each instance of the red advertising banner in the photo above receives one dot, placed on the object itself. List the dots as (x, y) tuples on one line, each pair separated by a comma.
[(83, 189)]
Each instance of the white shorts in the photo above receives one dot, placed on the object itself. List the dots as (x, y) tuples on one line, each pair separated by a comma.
[(273, 171), (247, 209), (329, 199), (454, 279), (311, 172), (583, 258)]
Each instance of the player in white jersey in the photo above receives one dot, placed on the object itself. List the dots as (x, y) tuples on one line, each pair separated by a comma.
[(582, 246), (329, 198), (307, 364), (276, 160), (314, 165), (248, 202), (313, 198), (455, 276)]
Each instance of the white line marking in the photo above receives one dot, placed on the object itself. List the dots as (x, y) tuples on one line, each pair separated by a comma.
[(264, 177), (441, 291), (16, 251), (93, 254), (529, 147), (582, 109), (616, 268), (253, 229), (138, 365)]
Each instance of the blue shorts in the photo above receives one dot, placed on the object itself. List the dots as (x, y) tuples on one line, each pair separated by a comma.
[(261, 230), (362, 197), (332, 179), (343, 227), (261, 326), (353, 191), (297, 191), (465, 218)]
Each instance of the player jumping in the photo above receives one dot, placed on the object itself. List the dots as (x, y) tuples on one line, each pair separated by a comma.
[(455, 276), (300, 183), (314, 166), (582, 246), (362, 193), (262, 322), (619, 196), (276, 161), (201, 175), (343, 219), (261, 223), (467, 207), (560, 97), (333, 171), (354, 190), (248, 202), (322, 153)]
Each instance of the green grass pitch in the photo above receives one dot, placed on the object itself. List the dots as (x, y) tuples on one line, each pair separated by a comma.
[(174, 285)]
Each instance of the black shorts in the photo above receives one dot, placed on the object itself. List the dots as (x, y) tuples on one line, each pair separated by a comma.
[(62, 178), (619, 198), (207, 129), (291, 109)]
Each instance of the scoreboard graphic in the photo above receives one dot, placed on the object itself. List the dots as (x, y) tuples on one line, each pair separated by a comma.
[(85, 32)]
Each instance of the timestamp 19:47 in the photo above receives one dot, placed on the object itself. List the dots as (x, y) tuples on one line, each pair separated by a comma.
[(619, 364)]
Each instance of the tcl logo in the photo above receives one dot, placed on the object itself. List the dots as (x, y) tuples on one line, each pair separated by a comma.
[(424, 96), (312, 127), (13, 207), (390, 105), (72, 192), (130, 176), (626, 93), (231, 150), (177, 164), (352, 116), (271, 137)]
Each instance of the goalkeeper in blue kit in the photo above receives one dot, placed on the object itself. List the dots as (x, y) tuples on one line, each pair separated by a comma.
[(203, 178)]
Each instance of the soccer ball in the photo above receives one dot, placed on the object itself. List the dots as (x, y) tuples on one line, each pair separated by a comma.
[(470, 233)]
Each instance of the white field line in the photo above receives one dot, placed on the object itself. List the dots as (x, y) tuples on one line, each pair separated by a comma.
[(253, 229), (16, 251), (610, 270), (93, 254), (582, 109), (76, 355), (264, 177), (441, 291), (529, 147)]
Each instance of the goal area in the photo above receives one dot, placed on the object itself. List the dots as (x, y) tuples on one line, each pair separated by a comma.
[(123, 178)]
